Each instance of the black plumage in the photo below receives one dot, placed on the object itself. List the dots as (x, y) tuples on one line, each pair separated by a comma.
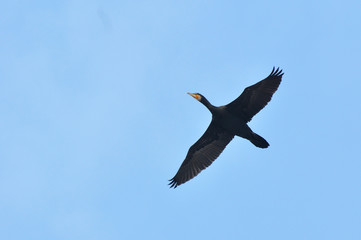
[(227, 121)]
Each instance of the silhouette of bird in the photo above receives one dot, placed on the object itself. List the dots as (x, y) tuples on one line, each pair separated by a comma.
[(227, 121)]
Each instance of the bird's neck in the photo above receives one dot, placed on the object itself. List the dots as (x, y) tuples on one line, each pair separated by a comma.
[(208, 105)]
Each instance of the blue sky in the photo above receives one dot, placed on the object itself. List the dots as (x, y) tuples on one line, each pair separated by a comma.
[(95, 119)]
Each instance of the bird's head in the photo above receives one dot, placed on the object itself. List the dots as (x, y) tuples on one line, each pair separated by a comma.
[(202, 100), (196, 96)]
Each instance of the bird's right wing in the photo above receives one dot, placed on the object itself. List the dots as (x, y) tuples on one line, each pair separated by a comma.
[(202, 154)]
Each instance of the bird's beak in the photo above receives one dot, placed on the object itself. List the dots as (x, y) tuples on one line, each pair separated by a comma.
[(195, 95)]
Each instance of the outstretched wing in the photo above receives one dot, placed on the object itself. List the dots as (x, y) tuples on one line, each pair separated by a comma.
[(202, 154), (255, 97)]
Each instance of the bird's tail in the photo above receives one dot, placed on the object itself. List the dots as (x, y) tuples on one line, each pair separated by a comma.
[(259, 141)]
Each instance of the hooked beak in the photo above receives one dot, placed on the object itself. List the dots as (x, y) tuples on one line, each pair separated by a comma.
[(195, 95)]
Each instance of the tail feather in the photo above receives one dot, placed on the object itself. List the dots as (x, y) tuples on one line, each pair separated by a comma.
[(259, 141)]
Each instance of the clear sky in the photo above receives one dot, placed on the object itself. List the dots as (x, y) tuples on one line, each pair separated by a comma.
[(94, 119)]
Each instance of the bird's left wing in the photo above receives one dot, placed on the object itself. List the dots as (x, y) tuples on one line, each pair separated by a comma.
[(202, 154), (255, 97)]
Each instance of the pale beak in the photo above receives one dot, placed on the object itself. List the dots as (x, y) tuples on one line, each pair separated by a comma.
[(196, 96), (193, 95)]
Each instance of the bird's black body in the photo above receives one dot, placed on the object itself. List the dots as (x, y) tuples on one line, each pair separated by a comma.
[(237, 126), (227, 121), (231, 122)]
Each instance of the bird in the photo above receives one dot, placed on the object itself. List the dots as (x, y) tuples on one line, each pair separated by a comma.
[(227, 122)]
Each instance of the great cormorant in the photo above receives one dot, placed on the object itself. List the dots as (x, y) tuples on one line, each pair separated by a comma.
[(227, 121)]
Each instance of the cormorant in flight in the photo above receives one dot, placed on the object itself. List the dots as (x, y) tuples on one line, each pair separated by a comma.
[(227, 121)]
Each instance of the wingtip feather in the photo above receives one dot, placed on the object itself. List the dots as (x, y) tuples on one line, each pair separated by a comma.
[(276, 73), (173, 183), (273, 69)]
